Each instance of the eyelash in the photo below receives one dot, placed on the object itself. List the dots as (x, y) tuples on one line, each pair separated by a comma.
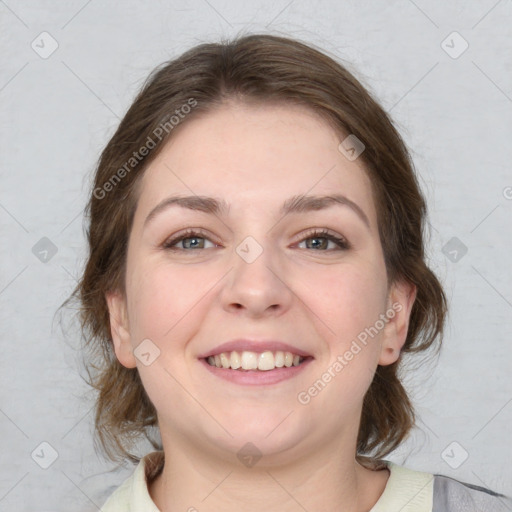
[(314, 233)]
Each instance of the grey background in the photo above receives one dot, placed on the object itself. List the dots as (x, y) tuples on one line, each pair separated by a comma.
[(58, 113)]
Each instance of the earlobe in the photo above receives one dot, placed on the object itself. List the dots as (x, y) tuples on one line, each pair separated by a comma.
[(119, 329), (401, 299)]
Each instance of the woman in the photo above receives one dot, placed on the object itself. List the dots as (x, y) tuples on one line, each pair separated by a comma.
[(256, 273)]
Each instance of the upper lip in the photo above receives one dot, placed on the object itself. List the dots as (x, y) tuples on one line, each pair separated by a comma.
[(251, 345)]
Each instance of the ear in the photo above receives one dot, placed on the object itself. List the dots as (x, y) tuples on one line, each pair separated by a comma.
[(400, 301), (119, 329)]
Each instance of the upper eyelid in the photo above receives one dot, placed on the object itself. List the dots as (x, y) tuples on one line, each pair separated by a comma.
[(318, 231), (187, 233)]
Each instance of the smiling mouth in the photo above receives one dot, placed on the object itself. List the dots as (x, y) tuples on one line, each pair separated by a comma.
[(255, 361)]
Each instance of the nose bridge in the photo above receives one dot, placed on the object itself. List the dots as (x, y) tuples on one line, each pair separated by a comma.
[(255, 282)]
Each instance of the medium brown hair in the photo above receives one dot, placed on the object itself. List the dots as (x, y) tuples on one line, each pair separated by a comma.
[(253, 68)]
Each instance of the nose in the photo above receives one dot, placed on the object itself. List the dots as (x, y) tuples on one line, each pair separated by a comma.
[(256, 287)]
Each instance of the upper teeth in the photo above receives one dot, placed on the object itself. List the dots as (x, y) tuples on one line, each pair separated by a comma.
[(255, 361)]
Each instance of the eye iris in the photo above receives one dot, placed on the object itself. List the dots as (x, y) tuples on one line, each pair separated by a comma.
[(195, 238), (322, 244)]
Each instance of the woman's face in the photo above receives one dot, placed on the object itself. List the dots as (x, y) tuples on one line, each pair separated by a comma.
[(255, 270)]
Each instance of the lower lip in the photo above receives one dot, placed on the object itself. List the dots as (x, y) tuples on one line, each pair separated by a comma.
[(257, 377)]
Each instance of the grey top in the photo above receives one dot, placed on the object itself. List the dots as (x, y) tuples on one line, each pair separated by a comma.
[(451, 495)]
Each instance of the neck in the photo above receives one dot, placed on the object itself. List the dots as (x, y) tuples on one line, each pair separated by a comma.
[(193, 481)]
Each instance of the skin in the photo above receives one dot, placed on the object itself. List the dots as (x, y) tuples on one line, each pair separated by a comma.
[(320, 299)]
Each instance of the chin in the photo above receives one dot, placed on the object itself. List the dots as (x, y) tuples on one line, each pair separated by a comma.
[(261, 452), (270, 436)]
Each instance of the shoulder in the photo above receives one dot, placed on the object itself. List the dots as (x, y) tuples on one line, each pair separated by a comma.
[(408, 490), (452, 495), (133, 495)]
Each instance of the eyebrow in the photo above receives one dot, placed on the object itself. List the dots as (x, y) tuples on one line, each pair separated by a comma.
[(296, 204)]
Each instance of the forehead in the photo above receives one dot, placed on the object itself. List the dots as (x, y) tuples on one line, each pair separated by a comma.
[(252, 155)]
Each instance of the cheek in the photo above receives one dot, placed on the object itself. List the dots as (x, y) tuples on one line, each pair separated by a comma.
[(164, 299), (347, 298), (348, 302)]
